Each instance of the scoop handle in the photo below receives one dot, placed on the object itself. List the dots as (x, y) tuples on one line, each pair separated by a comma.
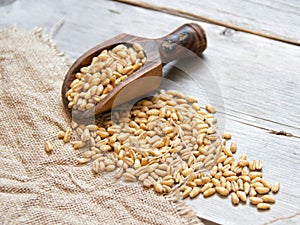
[(173, 46)]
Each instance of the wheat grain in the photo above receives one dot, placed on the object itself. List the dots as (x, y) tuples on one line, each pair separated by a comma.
[(48, 147), (234, 198), (209, 192), (264, 206), (255, 200), (276, 187)]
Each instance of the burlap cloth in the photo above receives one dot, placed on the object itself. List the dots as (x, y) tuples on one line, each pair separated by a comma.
[(37, 188)]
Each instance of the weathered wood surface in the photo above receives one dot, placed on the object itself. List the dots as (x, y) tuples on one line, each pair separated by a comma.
[(278, 19), (253, 81)]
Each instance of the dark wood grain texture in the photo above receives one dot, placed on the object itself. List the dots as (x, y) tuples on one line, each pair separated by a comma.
[(186, 41), (174, 46)]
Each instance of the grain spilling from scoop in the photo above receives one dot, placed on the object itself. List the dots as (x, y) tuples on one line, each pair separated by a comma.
[(168, 142)]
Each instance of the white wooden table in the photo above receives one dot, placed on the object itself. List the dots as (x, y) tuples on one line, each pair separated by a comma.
[(254, 68)]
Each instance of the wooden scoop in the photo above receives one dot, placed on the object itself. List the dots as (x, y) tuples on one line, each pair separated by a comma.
[(158, 53)]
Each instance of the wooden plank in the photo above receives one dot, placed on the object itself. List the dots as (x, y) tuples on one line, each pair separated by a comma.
[(277, 20), (253, 81)]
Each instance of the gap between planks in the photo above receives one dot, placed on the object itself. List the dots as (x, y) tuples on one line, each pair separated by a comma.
[(192, 16), (270, 131)]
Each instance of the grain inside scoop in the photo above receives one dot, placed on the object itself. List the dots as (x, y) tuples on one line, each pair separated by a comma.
[(157, 52)]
